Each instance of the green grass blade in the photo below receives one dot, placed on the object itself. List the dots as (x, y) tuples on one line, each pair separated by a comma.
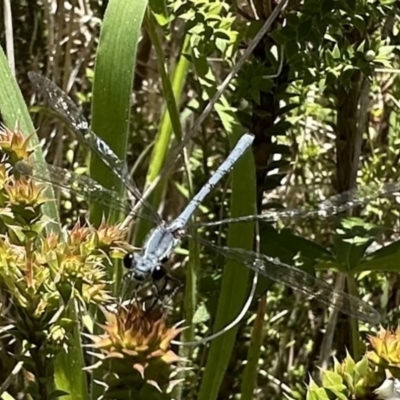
[(235, 276), (251, 368), (112, 86), (112, 89), (111, 103), (68, 372), (355, 344), (170, 121), (172, 93), (190, 299)]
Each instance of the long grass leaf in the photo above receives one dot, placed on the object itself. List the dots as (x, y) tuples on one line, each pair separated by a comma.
[(235, 276), (170, 122), (112, 89), (112, 86), (251, 369), (111, 103)]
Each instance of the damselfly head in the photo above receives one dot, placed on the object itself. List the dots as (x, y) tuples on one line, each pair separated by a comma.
[(130, 262), (140, 269)]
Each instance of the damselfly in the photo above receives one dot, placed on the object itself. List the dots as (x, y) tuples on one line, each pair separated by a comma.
[(166, 236)]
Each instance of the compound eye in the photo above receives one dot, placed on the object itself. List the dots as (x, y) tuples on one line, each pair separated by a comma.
[(158, 273), (129, 261)]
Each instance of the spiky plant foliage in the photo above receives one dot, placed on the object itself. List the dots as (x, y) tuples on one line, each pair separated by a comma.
[(134, 353), (43, 275), (347, 380), (364, 380), (385, 351)]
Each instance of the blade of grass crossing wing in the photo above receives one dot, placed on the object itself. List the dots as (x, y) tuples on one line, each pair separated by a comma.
[(111, 105), (112, 89), (170, 120), (235, 276)]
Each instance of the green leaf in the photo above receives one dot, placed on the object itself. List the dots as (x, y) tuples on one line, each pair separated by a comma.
[(288, 247), (111, 103), (112, 89), (349, 364), (201, 315), (235, 277), (362, 367), (288, 32), (254, 94), (334, 383), (351, 241), (330, 60), (159, 9), (252, 366), (363, 46), (200, 62), (278, 36), (340, 394), (347, 73), (279, 129), (349, 5), (359, 23), (291, 50), (286, 109), (331, 379), (56, 394), (386, 50), (349, 379), (314, 392), (326, 7), (336, 365), (384, 259), (304, 29), (173, 84), (336, 52)]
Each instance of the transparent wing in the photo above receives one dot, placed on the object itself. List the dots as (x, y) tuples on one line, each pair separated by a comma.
[(82, 185), (331, 206), (299, 280), (63, 105)]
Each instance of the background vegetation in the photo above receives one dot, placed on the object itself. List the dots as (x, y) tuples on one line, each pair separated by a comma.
[(319, 92)]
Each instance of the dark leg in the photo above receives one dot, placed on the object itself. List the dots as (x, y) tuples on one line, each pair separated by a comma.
[(161, 291), (174, 291)]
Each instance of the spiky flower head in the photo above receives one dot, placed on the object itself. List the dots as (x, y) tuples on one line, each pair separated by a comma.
[(385, 348), (24, 198), (135, 346), (14, 144), (106, 239), (79, 264), (20, 198)]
